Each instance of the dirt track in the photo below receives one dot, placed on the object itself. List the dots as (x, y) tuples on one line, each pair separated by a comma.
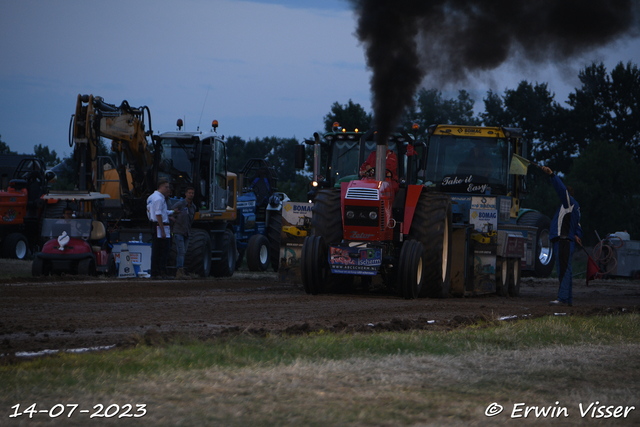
[(72, 313)]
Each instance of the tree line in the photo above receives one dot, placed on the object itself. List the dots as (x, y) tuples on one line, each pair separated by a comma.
[(593, 141)]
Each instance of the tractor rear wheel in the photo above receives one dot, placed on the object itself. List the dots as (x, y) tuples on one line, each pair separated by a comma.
[(227, 263), (198, 257), (258, 258), (410, 269), (432, 226), (274, 234), (327, 216)]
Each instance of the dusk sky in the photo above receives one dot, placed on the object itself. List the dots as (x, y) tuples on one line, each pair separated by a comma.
[(261, 68)]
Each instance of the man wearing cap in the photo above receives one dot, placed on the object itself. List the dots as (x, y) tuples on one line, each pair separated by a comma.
[(159, 217)]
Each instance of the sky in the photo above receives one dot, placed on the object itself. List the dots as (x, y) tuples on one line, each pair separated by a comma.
[(261, 68)]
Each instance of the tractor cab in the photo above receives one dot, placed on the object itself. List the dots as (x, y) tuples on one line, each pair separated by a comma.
[(339, 157), (471, 160), (198, 160)]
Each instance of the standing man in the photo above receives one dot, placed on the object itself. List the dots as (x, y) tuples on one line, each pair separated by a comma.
[(185, 211), (565, 232), (159, 217)]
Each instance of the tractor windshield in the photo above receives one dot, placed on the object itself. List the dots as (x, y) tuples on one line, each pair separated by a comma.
[(344, 161), (464, 164)]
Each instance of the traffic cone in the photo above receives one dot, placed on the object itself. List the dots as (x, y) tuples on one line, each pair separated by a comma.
[(126, 269)]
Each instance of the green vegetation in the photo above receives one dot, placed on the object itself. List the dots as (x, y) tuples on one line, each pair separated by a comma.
[(347, 379)]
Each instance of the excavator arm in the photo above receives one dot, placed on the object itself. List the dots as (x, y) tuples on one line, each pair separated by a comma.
[(125, 127)]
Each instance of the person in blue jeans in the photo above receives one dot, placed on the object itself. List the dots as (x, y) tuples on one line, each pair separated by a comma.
[(185, 211), (565, 232)]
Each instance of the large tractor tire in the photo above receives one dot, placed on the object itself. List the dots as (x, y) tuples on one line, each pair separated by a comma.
[(315, 265), (198, 257), (274, 234), (258, 257), (327, 216), (15, 246), (326, 221), (227, 264), (544, 248), (410, 269), (432, 226)]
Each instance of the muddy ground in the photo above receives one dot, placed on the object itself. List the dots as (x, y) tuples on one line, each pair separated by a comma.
[(72, 313)]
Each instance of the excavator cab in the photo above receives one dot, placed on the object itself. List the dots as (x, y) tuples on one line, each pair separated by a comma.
[(195, 160)]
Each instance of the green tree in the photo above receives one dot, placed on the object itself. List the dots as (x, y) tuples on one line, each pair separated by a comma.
[(532, 108), (606, 180), (50, 158), (4, 147), (350, 116), (236, 156), (607, 107)]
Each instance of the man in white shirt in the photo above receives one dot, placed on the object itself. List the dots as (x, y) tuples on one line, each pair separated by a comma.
[(159, 216)]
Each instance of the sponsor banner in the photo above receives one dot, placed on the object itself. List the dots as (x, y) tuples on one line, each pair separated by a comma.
[(484, 220), (360, 261), (296, 225), (480, 202)]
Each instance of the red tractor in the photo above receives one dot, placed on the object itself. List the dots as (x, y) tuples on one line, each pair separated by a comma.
[(21, 208), (384, 223)]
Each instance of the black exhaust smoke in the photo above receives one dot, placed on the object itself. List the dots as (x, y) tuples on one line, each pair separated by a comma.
[(450, 40)]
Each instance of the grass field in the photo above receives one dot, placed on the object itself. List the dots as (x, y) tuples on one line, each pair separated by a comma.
[(560, 365)]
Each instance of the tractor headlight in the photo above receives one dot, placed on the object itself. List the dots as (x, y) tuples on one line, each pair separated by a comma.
[(373, 215), (350, 214)]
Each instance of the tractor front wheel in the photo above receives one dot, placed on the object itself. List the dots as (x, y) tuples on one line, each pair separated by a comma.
[(258, 258), (410, 273), (314, 265)]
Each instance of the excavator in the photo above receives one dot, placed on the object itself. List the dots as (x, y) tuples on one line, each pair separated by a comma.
[(186, 159)]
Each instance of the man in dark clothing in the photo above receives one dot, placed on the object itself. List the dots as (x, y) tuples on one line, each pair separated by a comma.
[(185, 211), (565, 232)]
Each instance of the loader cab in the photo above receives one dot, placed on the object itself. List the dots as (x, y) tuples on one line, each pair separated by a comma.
[(467, 159), (196, 159)]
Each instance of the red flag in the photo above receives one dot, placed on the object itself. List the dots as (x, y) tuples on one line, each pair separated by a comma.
[(592, 270)]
